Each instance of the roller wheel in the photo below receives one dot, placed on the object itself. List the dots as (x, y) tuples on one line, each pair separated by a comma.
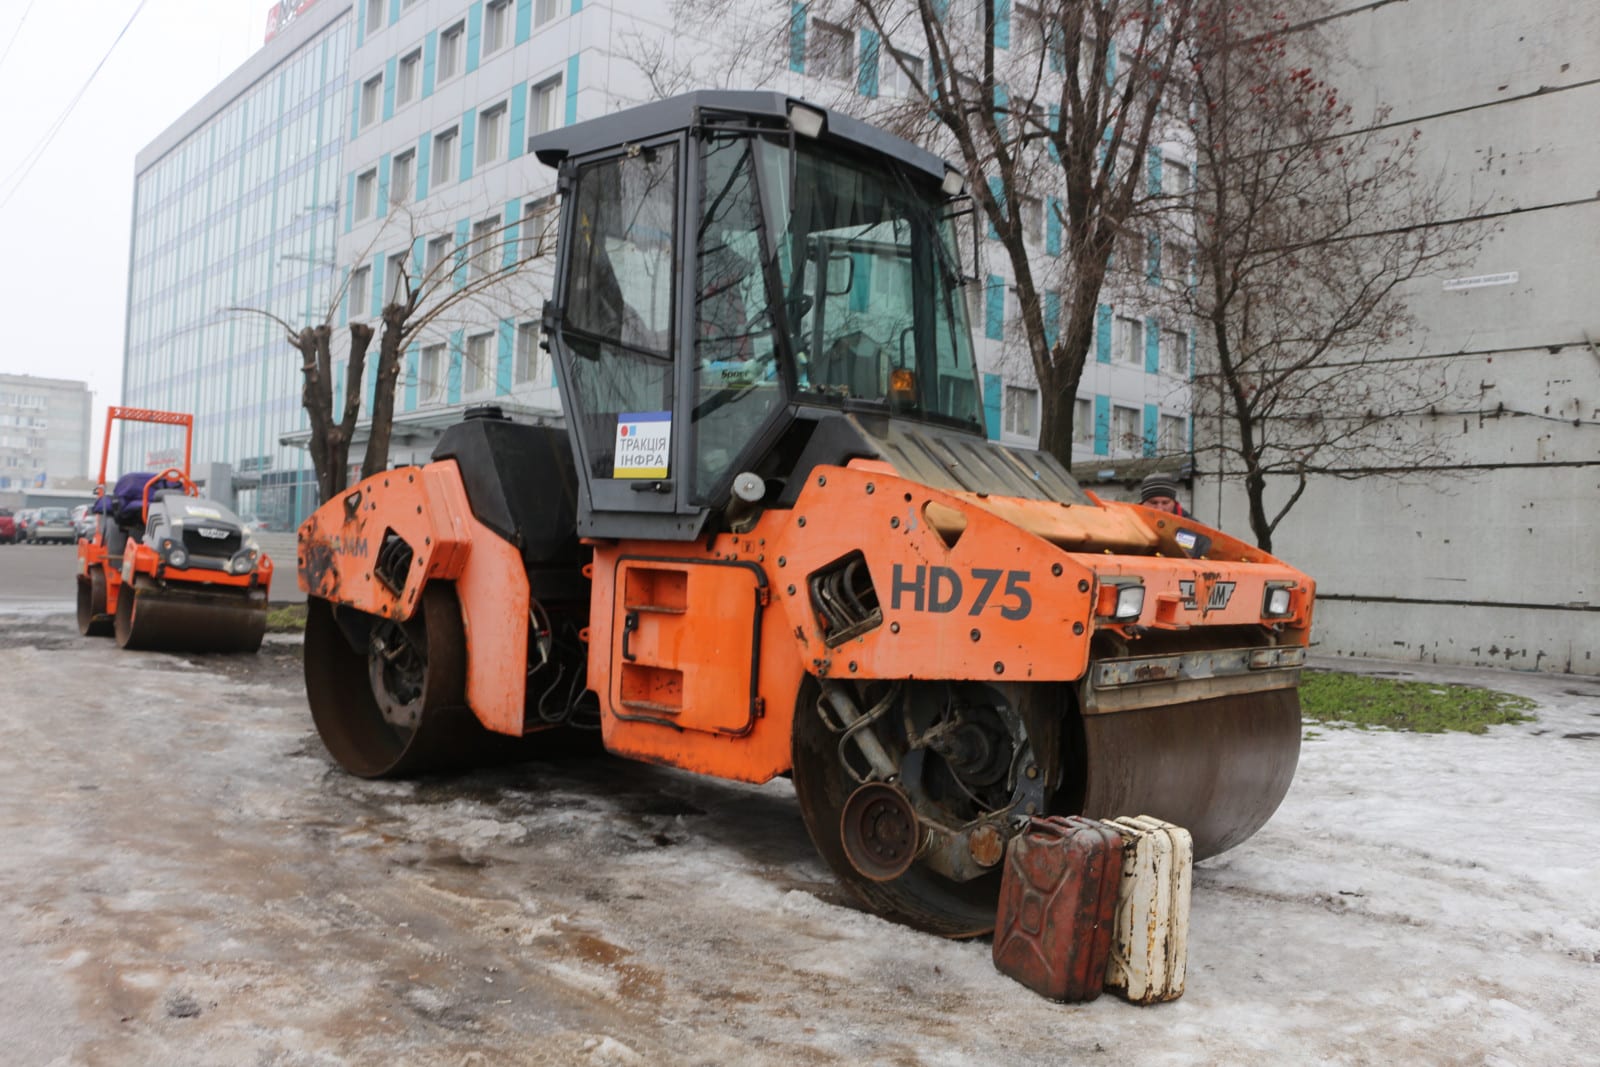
[(920, 897), (93, 620), (122, 625), (395, 706)]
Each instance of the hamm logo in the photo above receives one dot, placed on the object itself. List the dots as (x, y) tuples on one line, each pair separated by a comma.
[(1216, 594)]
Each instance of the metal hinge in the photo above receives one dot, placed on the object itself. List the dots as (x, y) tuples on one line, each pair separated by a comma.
[(758, 707)]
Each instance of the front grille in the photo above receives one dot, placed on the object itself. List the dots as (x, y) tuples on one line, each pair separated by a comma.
[(196, 543)]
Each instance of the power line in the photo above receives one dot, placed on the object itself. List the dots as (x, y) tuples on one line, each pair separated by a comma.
[(33, 157), (16, 32)]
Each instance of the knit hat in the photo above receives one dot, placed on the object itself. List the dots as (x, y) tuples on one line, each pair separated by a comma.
[(1158, 485)]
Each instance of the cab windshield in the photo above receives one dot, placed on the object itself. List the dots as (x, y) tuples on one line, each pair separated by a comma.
[(871, 286)]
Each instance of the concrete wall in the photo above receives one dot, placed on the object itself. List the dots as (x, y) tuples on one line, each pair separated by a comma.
[(1491, 559)]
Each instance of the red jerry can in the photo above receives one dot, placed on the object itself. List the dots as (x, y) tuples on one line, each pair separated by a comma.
[(1058, 899)]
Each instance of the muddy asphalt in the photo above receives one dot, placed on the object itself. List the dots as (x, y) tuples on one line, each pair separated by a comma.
[(185, 878)]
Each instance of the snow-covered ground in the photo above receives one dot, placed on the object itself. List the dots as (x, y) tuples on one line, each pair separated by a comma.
[(184, 878)]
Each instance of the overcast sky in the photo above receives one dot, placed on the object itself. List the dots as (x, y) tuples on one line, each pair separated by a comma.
[(63, 281)]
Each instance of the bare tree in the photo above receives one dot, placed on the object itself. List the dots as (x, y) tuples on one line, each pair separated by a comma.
[(420, 293), (1310, 225), (1052, 110)]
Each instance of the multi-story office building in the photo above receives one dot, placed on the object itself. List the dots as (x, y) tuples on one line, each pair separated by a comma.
[(236, 205), (44, 431)]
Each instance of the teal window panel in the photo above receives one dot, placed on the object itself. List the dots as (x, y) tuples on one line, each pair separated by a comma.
[(1153, 172), (361, 28), (344, 305), (1055, 127), (394, 11), (1052, 226), (355, 109), (1152, 345), (941, 9), (867, 76), (1153, 258), (1002, 109), (577, 6), (390, 69), (524, 20), (993, 387), (462, 229), (1111, 62), (419, 249), (1191, 378), (1056, 48), (384, 163), (1102, 425), (572, 90), (474, 35), (502, 363), (861, 281), (430, 57), (519, 120), (410, 402), (797, 37), (1002, 23), (1052, 317), (469, 137), (997, 190), (1152, 421), (377, 285), (349, 201), (513, 224), (1102, 334), (452, 377), (424, 157), (994, 308)]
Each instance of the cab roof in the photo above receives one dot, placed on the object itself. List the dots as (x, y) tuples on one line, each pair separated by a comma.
[(683, 111)]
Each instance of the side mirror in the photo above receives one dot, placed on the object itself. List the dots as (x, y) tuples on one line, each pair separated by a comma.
[(848, 263)]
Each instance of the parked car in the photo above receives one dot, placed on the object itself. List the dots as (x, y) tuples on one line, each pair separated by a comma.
[(24, 520), (8, 527), (83, 521), (51, 525)]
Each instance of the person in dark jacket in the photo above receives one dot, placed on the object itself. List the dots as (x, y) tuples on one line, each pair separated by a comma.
[(1160, 491)]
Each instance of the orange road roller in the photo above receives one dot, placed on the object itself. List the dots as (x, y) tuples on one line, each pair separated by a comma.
[(774, 538)]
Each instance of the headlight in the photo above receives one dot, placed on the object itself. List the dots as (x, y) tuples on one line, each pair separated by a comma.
[(1278, 603), (1122, 601), (178, 558), (244, 561)]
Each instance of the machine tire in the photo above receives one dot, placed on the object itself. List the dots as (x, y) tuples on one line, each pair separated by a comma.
[(93, 620), (348, 710), (920, 897), (122, 625)]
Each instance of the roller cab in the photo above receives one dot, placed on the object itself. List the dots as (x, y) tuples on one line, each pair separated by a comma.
[(779, 541)]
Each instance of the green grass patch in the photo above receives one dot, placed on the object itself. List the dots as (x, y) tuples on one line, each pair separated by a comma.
[(287, 619), (1342, 699)]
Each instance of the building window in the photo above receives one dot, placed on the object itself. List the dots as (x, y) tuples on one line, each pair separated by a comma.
[(1022, 411), (496, 25), (366, 194), (360, 291), (1030, 31), (395, 288), (401, 175), (430, 375), (1032, 218), (438, 252), (831, 54), (1128, 341), (452, 50), (539, 227), (491, 133), (1175, 257), (526, 368), (1125, 430), (371, 100), (408, 78), (1171, 435), (444, 157), (545, 105), (1174, 178), (475, 375), (1082, 421), (485, 234), (899, 73), (1175, 351), (375, 15), (545, 11)]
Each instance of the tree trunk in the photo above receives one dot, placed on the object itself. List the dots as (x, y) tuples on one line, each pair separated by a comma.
[(382, 425)]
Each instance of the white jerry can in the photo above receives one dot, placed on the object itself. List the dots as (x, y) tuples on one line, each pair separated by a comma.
[(1150, 935)]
